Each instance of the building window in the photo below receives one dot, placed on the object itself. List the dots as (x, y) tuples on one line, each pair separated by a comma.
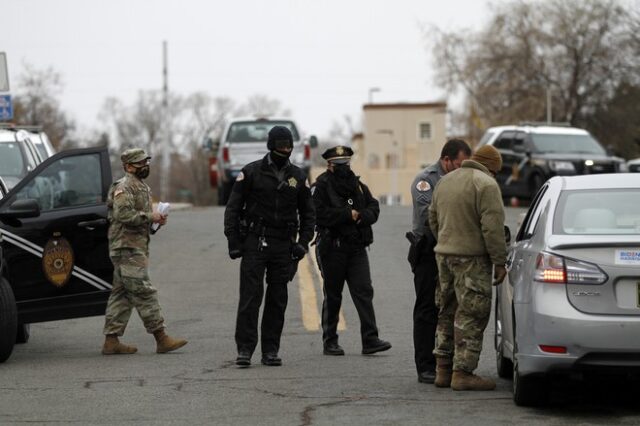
[(374, 161), (424, 131)]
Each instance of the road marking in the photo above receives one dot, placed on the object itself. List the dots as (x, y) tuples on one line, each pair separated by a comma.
[(308, 276), (308, 298)]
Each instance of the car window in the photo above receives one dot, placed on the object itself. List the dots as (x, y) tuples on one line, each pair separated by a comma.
[(11, 160), (486, 137), (70, 181), (579, 144), (533, 214), (505, 140), (257, 131), (598, 212)]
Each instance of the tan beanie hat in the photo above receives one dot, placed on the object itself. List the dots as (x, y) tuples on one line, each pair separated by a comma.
[(489, 157)]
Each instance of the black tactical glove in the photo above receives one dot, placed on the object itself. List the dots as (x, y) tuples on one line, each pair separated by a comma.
[(298, 251), (235, 248)]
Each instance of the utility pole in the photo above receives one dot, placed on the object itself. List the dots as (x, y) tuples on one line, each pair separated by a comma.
[(165, 167), (549, 117)]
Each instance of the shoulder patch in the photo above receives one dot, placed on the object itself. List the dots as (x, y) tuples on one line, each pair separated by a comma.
[(423, 186), (240, 177), (117, 192)]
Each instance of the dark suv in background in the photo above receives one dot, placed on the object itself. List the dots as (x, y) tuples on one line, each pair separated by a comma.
[(532, 153)]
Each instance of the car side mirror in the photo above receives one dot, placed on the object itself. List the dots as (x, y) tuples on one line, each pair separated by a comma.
[(507, 235), (21, 209), (313, 141)]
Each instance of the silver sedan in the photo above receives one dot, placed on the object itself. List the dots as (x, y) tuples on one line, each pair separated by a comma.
[(571, 300)]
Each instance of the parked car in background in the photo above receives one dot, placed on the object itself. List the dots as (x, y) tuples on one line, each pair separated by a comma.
[(634, 165), (22, 148), (245, 140), (571, 299), (532, 153), (54, 255)]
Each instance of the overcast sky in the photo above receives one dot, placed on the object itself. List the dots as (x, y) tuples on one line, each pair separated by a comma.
[(319, 58)]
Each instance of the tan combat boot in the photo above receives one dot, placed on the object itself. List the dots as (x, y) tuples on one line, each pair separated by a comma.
[(112, 346), (167, 343), (444, 367), (467, 381)]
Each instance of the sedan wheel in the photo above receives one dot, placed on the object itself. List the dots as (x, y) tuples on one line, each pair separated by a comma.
[(529, 390)]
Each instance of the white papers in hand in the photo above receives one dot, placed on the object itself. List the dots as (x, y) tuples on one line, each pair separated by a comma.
[(163, 209)]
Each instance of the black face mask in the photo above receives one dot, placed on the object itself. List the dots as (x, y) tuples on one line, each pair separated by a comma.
[(342, 170), (142, 172), (279, 158)]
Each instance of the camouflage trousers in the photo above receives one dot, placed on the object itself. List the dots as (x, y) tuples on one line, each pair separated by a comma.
[(464, 302), (132, 289)]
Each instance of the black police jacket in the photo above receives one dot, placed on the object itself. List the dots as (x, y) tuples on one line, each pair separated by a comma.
[(333, 211), (261, 200)]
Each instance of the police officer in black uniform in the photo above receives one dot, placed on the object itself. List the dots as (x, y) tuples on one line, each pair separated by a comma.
[(345, 211), (423, 258), (269, 222)]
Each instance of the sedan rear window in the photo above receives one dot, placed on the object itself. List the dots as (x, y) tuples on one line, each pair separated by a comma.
[(257, 131), (598, 212)]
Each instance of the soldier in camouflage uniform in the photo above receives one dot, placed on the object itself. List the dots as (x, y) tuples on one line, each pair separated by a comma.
[(130, 218), (423, 259), (467, 218)]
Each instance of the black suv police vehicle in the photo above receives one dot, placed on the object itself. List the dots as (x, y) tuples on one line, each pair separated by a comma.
[(532, 153), (54, 261)]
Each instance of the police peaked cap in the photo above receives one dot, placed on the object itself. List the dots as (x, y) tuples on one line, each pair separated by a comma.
[(338, 154), (134, 155), (279, 133)]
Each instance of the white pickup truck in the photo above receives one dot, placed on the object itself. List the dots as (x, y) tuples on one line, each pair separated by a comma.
[(245, 140)]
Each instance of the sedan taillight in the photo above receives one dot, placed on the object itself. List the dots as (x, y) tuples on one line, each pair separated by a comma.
[(225, 154), (551, 268), (307, 152)]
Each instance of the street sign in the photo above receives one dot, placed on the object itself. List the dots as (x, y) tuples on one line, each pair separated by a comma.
[(4, 73), (6, 107)]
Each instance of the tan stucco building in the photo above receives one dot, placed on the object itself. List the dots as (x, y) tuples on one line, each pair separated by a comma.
[(397, 141)]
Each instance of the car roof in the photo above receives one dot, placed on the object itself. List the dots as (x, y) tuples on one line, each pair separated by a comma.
[(597, 181), (554, 130), (260, 118)]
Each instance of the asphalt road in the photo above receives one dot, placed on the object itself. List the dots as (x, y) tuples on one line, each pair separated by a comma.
[(61, 377)]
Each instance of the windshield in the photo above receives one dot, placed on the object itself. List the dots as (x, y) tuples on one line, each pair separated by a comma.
[(567, 144), (257, 131), (11, 160), (485, 138), (598, 212)]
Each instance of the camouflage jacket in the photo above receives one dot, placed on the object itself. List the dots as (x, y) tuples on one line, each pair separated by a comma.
[(130, 212)]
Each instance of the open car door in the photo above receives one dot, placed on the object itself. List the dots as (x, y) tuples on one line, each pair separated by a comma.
[(53, 228)]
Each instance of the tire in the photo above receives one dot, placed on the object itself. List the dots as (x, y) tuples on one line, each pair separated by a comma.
[(504, 366), (23, 334), (8, 320), (530, 390)]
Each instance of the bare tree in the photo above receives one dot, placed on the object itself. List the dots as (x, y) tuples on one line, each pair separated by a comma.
[(580, 50), (36, 103), (262, 105)]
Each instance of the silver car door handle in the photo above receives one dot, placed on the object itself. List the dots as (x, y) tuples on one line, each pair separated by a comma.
[(92, 224)]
